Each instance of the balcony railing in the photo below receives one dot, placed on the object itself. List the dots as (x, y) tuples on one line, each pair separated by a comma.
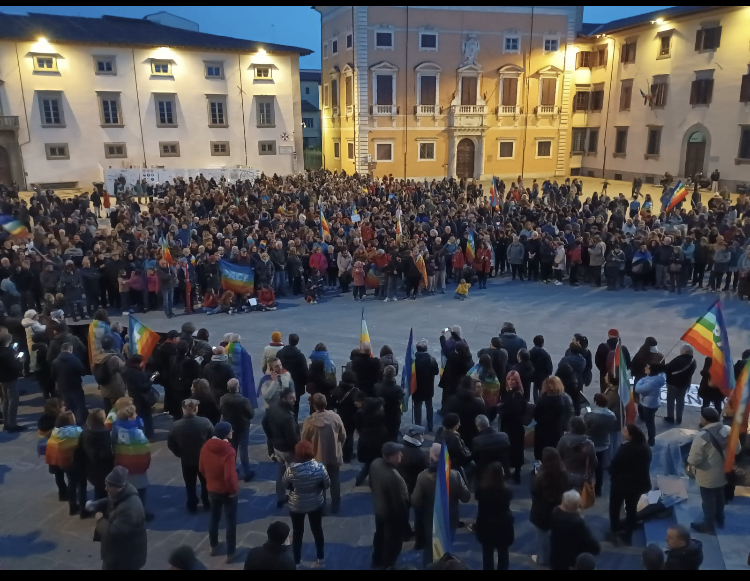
[(8, 121), (470, 109), (545, 110), (507, 110), (425, 109), (384, 110)]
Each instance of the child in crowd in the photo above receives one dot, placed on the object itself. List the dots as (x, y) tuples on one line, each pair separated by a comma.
[(314, 287), (463, 289), (358, 280)]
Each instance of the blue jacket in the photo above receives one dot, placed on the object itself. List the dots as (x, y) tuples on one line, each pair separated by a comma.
[(325, 357), (649, 388)]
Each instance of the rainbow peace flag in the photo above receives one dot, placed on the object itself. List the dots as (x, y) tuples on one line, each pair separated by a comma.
[(62, 445), (165, 253), (97, 330), (236, 278), (709, 336), (324, 229), (739, 402), (399, 233), (470, 249), (142, 339), (493, 193), (409, 374), (364, 334), (679, 194), (130, 446), (14, 227), (627, 401), (441, 530), (242, 365)]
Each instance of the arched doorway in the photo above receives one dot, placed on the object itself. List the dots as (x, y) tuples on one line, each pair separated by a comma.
[(695, 153), (5, 177), (465, 158)]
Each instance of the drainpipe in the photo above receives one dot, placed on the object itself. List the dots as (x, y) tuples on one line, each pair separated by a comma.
[(140, 116), (25, 116)]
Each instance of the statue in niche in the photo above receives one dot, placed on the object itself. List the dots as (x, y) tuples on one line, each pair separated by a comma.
[(470, 48)]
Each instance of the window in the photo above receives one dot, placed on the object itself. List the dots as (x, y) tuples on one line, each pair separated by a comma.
[(336, 150), (551, 44), (512, 44), (383, 39), (383, 151), (109, 109), (701, 91), (115, 150), (50, 108), (626, 94), (593, 140), (265, 111), (744, 152), (169, 148), (307, 90), (665, 45), (217, 107), (653, 146), (544, 149), (105, 65), (427, 151), (506, 149), (161, 68), (428, 41), (45, 64), (583, 59), (57, 151), (219, 148), (165, 111), (745, 89), (214, 70), (326, 94), (266, 148), (549, 89), (334, 47), (334, 93), (309, 122), (597, 99), (659, 90), (578, 140), (428, 90), (262, 73), (384, 89), (708, 38), (349, 90), (621, 140), (469, 86), (349, 41), (349, 150), (581, 102), (628, 52), (509, 88), (599, 56), (325, 50)]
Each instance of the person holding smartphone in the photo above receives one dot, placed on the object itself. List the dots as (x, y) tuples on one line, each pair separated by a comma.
[(11, 366)]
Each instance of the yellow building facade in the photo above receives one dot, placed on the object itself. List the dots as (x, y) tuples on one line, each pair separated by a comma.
[(477, 91)]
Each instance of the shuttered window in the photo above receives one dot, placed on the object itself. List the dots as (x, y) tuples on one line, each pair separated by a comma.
[(582, 101), (385, 90), (510, 91), (621, 140), (348, 91), (701, 91), (548, 91), (708, 38), (578, 140), (659, 94), (744, 152), (428, 90), (745, 89), (469, 91), (653, 147), (626, 95), (628, 52)]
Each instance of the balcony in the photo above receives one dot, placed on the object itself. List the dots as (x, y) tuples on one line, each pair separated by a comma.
[(470, 109), (384, 110), (507, 110), (468, 115), (9, 122), (421, 110), (545, 110), (350, 110)]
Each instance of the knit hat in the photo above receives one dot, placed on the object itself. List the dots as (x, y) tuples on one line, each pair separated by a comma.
[(276, 337), (710, 415), (222, 430), (613, 333), (118, 478), (278, 532), (450, 421)]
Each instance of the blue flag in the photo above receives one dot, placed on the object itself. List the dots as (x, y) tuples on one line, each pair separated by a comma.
[(242, 365)]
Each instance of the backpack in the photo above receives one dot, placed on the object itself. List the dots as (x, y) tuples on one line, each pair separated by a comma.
[(102, 373)]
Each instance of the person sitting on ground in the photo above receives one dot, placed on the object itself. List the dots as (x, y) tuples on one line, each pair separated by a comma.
[(683, 553)]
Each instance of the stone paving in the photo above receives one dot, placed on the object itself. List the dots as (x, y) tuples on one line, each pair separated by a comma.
[(37, 533)]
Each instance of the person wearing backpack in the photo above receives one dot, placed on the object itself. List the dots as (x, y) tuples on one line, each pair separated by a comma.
[(107, 370)]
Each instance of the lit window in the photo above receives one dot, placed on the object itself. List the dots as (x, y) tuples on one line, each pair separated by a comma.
[(163, 68), (45, 64), (263, 73)]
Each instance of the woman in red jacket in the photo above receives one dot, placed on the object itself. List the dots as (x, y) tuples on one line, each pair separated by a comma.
[(483, 263)]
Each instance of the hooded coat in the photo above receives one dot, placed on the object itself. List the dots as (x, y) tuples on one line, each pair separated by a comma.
[(122, 531), (325, 430)]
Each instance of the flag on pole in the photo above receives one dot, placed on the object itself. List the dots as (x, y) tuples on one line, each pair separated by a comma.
[(627, 401), (142, 339), (409, 375), (188, 290), (494, 193), (14, 227), (165, 253), (354, 209), (470, 249), (422, 268), (709, 336), (441, 530), (97, 330), (678, 195), (739, 403), (242, 365), (324, 229), (364, 334), (399, 233)]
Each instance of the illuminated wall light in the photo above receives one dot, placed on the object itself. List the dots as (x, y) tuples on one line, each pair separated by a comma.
[(262, 51)]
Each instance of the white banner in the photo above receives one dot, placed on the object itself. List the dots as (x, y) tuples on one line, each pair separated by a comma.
[(157, 175)]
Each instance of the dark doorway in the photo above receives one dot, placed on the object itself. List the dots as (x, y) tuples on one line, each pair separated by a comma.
[(5, 177), (695, 154), (465, 159)]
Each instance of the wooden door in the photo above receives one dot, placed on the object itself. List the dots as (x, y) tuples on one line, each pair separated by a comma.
[(465, 159), (5, 177), (695, 156), (469, 91)]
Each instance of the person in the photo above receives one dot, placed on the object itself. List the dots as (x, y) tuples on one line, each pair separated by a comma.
[(273, 555), (167, 276), (511, 421), (649, 389), (423, 499), (306, 479), (64, 454), (413, 462), (218, 372), (367, 369), (578, 453), (575, 359), (549, 483), (186, 439), (466, 405), (585, 562), (647, 354), (132, 450), (344, 401), (120, 524), (569, 534), (602, 355), (426, 368), (207, 407), (525, 371), (683, 552), (600, 423), (458, 362), (96, 442), (278, 379), (139, 388), (282, 431), (295, 362), (552, 414), (325, 431), (679, 374), (510, 341), (489, 446), (390, 500), (652, 558), (217, 463), (710, 394), (270, 351), (494, 524), (370, 424), (183, 559), (238, 411), (387, 358), (542, 364), (706, 460), (11, 368), (629, 473), (393, 397), (462, 290), (107, 370), (498, 356), (67, 372), (318, 381)]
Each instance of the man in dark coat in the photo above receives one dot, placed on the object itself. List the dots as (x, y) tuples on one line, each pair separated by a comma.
[(499, 358), (218, 373), (467, 406), (121, 524), (295, 362), (512, 343), (238, 411), (282, 430), (63, 335), (577, 362), (602, 353), (683, 552), (542, 363), (67, 373), (11, 368), (274, 554), (414, 457), (569, 534), (367, 369), (680, 373), (425, 368), (489, 446), (457, 365)]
